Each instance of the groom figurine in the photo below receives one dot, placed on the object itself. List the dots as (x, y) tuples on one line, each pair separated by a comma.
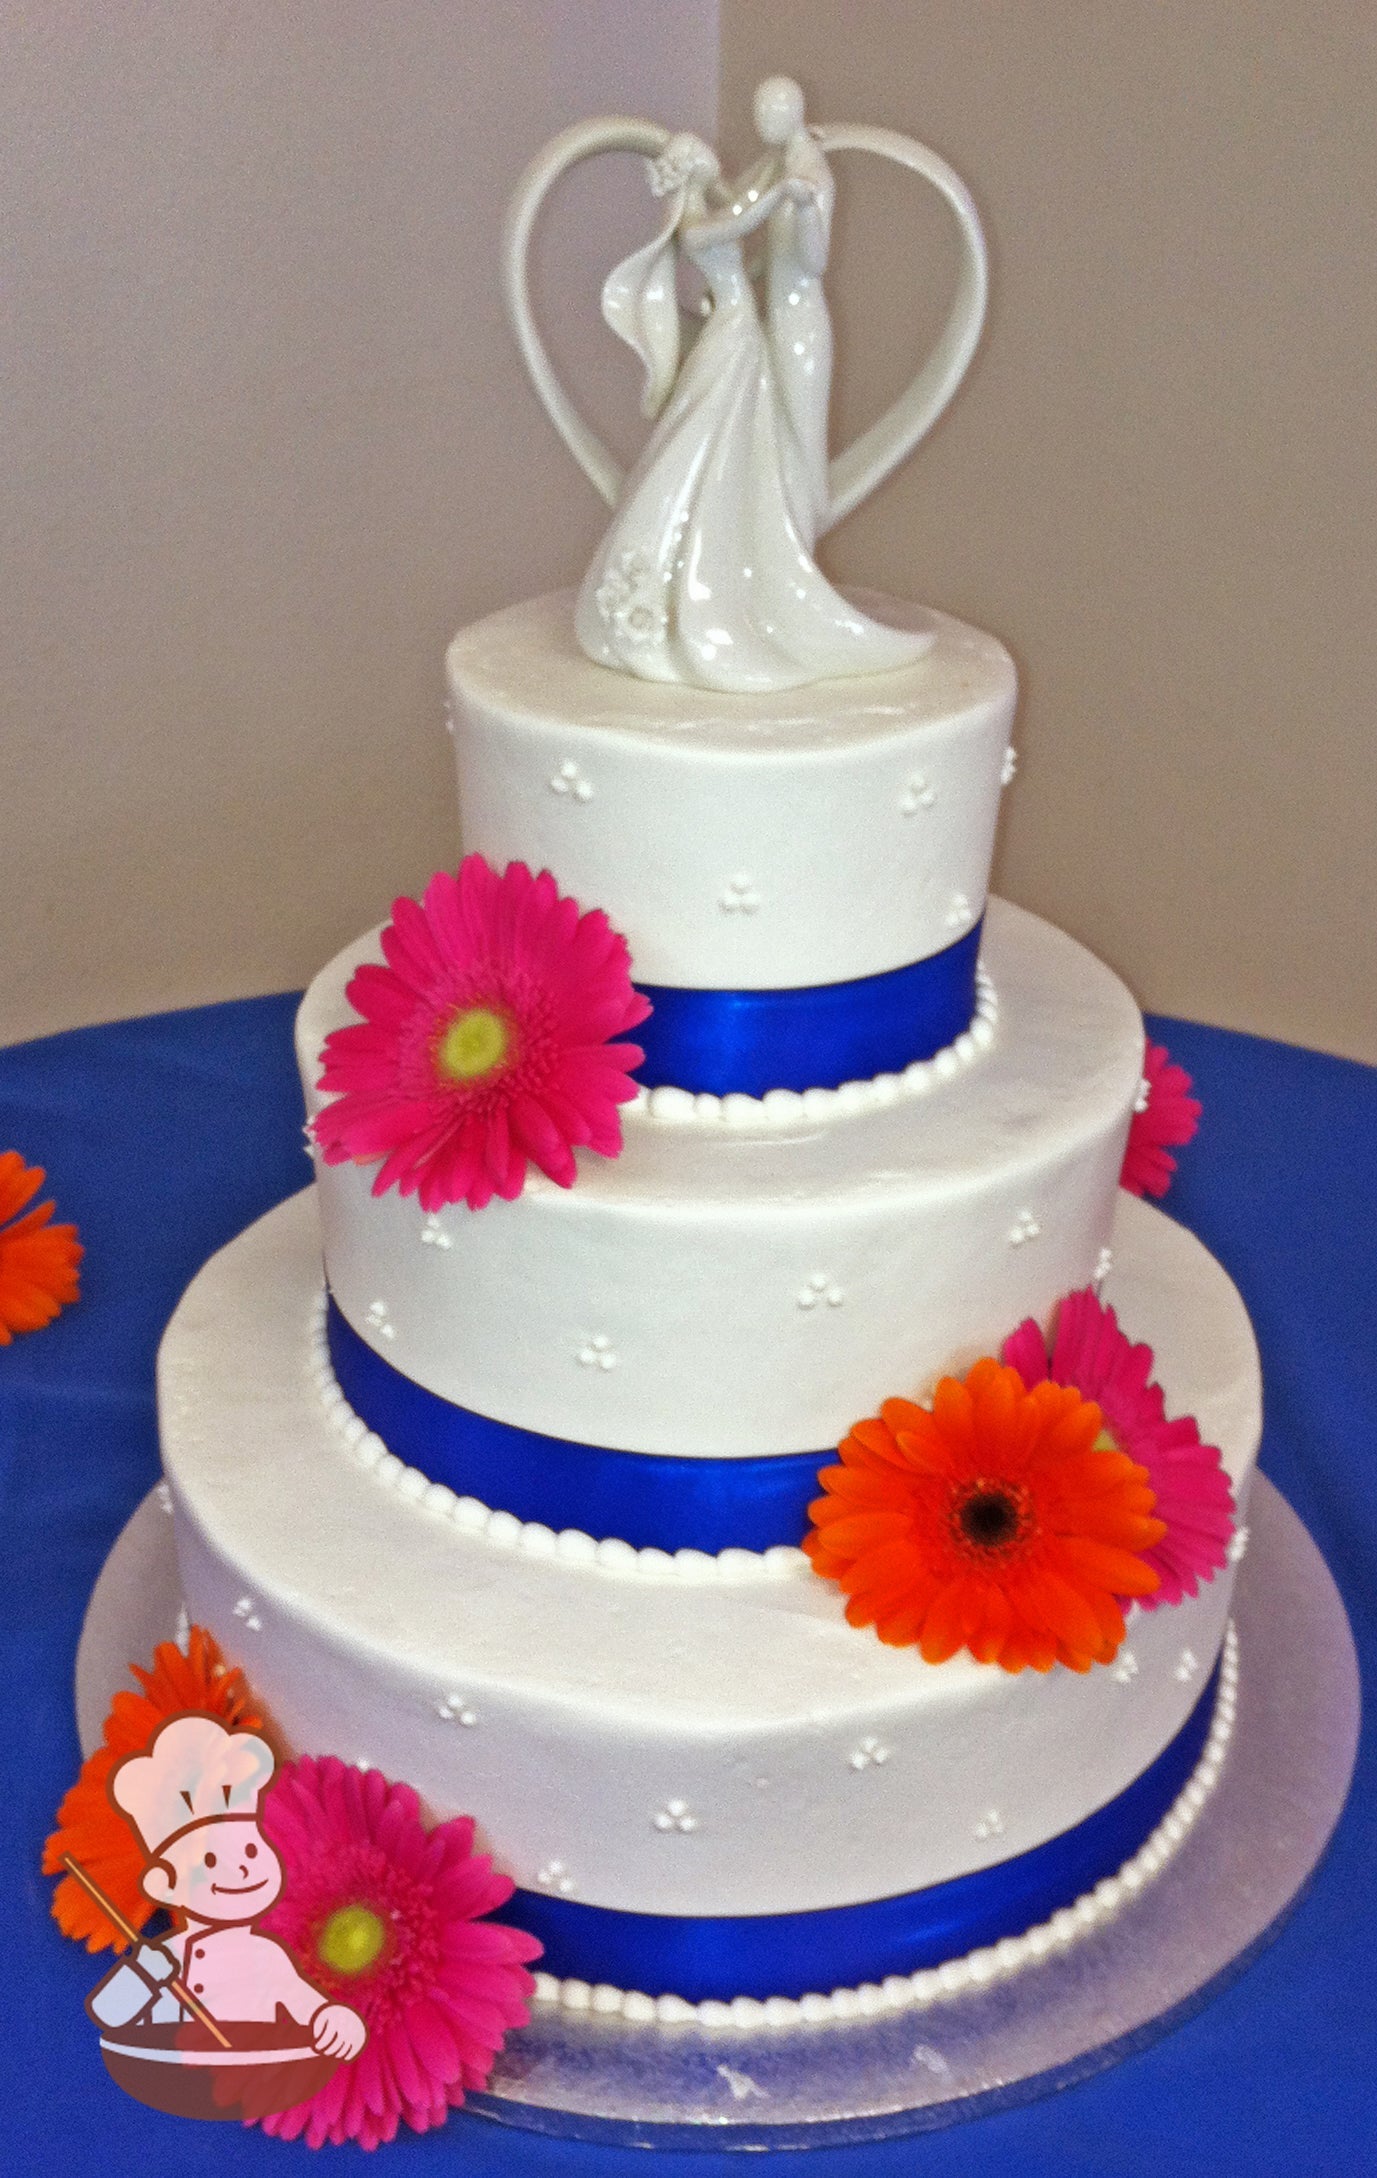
[(798, 325)]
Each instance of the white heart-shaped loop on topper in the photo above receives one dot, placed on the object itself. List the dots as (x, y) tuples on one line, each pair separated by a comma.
[(585, 140), (855, 474)]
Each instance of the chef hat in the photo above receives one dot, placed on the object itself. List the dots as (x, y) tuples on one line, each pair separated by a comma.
[(194, 1771)]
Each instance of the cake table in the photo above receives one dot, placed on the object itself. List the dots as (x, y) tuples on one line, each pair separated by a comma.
[(164, 1137)]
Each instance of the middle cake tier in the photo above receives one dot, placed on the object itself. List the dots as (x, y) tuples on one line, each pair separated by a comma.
[(735, 1294)]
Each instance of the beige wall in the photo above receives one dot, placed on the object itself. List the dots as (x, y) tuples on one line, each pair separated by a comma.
[(265, 446), (1158, 484)]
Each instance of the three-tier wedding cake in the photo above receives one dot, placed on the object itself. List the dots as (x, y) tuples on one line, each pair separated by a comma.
[(711, 1132)]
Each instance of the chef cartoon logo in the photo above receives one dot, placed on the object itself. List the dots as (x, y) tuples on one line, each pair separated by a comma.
[(212, 2019)]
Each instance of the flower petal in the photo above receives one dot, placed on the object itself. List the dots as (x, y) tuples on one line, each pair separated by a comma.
[(561, 983)]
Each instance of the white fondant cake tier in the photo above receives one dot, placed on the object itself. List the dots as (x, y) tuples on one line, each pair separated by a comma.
[(740, 842), (963, 1971), (757, 1292), (799, 1762)]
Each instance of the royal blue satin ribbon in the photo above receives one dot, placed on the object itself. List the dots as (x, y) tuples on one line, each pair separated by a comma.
[(815, 1037), (654, 1500), (839, 1947)]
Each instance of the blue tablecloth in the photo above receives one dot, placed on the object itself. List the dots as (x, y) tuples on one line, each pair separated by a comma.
[(163, 1137)]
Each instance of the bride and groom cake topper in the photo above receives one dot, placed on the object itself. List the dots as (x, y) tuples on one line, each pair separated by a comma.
[(706, 575)]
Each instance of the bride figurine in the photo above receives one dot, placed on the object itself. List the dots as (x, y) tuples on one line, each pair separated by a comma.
[(706, 575)]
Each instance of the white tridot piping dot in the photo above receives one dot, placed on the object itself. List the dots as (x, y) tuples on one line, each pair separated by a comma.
[(920, 793), (675, 1815), (780, 1108), (554, 1876), (992, 1962), (739, 896), (869, 1755), (455, 1710), (596, 1352), (571, 1546), (570, 780), (819, 1288)]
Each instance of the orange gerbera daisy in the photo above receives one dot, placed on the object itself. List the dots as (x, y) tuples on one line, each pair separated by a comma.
[(90, 1828), (994, 1523), (38, 1260)]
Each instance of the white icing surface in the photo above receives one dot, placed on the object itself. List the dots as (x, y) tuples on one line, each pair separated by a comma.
[(944, 1221), (601, 1705), (665, 805), (974, 1969)]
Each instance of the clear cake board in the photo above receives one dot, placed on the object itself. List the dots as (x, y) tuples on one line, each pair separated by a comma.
[(1199, 1923)]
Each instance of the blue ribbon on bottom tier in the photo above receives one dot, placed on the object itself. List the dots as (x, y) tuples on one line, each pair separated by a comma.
[(816, 1037), (654, 1500), (839, 1947)]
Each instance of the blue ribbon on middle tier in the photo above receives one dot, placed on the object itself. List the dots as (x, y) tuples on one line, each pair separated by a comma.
[(653, 1500)]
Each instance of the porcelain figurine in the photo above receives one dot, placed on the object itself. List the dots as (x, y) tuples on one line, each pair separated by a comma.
[(706, 575)]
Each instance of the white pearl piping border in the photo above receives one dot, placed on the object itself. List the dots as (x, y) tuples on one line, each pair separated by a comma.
[(570, 1545), (993, 1962), (787, 1107)]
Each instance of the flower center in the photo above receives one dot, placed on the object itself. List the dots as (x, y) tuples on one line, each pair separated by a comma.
[(351, 1939), (990, 1516), (475, 1043)]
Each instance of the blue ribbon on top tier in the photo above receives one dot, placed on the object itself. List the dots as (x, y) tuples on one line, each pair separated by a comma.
[(653, 1500), (815, 1037)]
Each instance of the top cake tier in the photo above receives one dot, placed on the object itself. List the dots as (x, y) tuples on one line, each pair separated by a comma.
[(811, 837)]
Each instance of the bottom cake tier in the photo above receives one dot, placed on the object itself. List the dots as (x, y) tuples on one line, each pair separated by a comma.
[(704, 1783)]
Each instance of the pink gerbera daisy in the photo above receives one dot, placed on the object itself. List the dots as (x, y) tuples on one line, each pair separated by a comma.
[(381, 1914), (1194, 1498), (484, 1041), (1165, 1117)]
